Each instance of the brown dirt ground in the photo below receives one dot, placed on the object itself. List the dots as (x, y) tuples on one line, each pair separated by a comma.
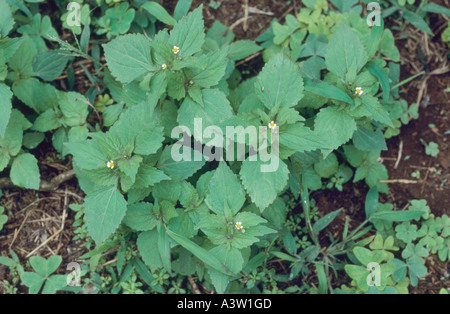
[(34, 217)]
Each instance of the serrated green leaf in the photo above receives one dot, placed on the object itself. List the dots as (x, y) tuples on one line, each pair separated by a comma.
[(25, 172), (48, 65), (335, 126), (326, 90), (280, 83), (263, 187), (189, 34), (140, 217), (6, 19), (104, 211), (5, 107), (344, 51), (225, 191), (128, 57), (368, 140), (180, 170), (74, 108), (147, 243), (213, 69)]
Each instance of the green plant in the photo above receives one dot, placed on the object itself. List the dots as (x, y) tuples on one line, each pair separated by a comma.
[(431, 149), (15, 271), (42, 279), (127, 172), (328, 94), (3, 218)]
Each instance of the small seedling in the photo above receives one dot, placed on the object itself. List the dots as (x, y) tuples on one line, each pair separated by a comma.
[(431, 149)]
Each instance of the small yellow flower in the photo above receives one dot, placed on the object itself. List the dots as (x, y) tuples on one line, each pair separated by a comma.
[(239, 226), (359, 91), (272, 125), (110, 164), (164, 66), (176, 50)]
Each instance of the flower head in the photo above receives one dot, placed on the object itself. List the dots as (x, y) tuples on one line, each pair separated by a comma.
[(176, 50), (110, 164), (359, 91), (272, 125), (239, 226), (164, 66)]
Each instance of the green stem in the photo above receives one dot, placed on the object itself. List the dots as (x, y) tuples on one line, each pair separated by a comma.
[(407, 80)]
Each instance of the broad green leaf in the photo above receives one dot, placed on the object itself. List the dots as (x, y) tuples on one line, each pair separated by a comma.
[(48, 65), (182, 169), (298, 138), (9, 46), (367, 140), (38, 96), (45, 267), (33, 281), (54, 284), (140, 217), (145, 135), (216, 110), (149, 176), (147, 243), (6, 19), (74, 108), (213, 69), (47, 121), (387, 46), (183, 224), (376, 110), (88, 155), (280, 83), (326, 90), (22, 61), (159, 12), (230, 257), (264, 187), (281, 33), (25, 172), (225, 191), (366, 256), (335, 126), (345, 51), (189, 34), (128, 57), (130, 166), (104, 211), (5, 107), (203, 255), (241, 49), (327, 167)]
